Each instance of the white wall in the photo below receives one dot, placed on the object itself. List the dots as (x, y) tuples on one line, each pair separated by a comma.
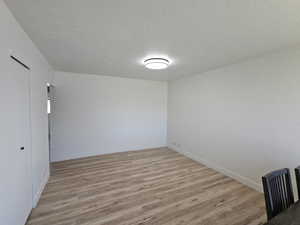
[(13, 38), (96, 115), (243, 119)]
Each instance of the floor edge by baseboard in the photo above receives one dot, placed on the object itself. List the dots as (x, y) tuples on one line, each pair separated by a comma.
[(244, 180), (88, 155), (41, 187)]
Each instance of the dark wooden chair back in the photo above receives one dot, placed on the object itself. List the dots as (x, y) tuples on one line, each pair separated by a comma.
[(278, 191), (297, 173)]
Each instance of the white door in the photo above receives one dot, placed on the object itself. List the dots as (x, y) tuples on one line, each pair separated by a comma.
[(15, 149)]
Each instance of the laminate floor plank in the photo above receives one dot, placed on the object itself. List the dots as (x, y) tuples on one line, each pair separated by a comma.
[(147, 187)]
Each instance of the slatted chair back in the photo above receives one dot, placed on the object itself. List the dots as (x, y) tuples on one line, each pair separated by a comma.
[(278, 191), (297, 173)]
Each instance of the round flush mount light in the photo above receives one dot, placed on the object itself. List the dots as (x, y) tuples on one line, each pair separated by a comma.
[(156, 63)]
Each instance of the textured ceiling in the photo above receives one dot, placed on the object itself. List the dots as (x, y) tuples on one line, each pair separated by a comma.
[(111, 37)]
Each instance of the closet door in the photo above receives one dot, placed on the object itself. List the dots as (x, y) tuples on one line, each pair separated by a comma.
[(15, 149)]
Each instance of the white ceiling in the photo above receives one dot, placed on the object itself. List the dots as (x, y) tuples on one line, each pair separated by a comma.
[(111, 37)]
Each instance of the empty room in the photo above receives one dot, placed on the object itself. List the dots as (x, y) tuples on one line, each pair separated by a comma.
[(137, 112)]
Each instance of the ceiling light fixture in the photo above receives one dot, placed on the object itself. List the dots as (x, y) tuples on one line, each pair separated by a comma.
[(156, 63)]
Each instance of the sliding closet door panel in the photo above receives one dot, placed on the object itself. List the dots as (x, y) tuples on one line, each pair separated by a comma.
[(15, 149)]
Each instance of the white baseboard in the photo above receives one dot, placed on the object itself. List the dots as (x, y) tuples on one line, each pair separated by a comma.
[(91, 154), (244, 180), (43, 183)]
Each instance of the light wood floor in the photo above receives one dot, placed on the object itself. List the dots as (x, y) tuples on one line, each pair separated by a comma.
[(150, 187)]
